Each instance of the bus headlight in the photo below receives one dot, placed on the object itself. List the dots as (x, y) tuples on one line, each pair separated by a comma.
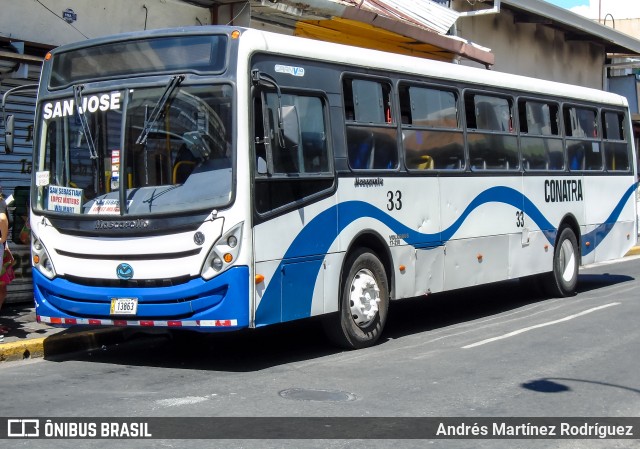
[(223, 253), (40, 258)]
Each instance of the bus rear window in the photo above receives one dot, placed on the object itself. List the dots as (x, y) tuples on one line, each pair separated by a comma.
[(167, 54)]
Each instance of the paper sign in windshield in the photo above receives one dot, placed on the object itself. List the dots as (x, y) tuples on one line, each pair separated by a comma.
[(64, 199), (42, 178), (105, 206)]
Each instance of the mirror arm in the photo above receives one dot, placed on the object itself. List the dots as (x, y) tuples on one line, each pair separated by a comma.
[(260, 79), (9, 127)]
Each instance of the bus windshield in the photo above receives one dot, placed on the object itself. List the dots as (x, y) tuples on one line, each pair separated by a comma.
[(168, 148)]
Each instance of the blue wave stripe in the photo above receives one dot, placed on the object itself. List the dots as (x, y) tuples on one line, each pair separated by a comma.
[(318, 235), (599, 233)]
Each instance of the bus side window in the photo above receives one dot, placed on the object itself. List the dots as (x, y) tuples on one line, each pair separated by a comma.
[(302, 167), (616, 148), (540, 142), (583, 141), (492, 140), (368, 101), (370, 131), (432, 137)]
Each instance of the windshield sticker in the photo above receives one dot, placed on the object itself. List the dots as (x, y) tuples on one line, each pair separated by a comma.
[(295, 71), (93, 103), (64, 199), (115, 169), (42, 178), (106, 206)]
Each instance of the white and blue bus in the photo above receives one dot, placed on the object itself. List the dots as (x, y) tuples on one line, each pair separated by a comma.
[(219, 178)]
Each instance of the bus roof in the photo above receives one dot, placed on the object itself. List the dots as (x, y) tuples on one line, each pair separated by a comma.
[(257, 40), (348, 55)]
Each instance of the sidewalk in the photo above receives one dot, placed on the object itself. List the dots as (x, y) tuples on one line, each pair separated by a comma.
[(26, 338)]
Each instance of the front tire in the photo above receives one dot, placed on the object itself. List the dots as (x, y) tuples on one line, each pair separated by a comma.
[(364, 302), (563, 279)]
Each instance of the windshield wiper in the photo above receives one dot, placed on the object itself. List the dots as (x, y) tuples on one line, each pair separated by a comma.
[(157, 110), (77, 95)]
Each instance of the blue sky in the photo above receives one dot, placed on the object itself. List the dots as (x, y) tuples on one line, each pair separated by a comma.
[(620, 9), (569, 3)]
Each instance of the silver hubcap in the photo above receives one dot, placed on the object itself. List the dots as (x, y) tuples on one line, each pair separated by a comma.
[(364, 296), (567, 259)]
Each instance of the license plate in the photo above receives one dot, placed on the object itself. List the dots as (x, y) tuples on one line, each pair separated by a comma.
[(124, 306)]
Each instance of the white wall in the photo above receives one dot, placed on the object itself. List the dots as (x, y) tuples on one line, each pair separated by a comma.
[(534, 49)]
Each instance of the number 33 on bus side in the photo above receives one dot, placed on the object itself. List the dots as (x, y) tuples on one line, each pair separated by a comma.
[(394, 200)]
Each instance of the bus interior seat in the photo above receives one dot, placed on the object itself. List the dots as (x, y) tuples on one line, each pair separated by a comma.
[(478, 163), (384, 154), (576, 157), (556, 160), (453, 163), (426, 163), (503, 163), (182, 170), (361, 148)]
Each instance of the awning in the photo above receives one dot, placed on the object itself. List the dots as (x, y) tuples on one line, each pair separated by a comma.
[(400, 26), (411, 27), (367, 30)]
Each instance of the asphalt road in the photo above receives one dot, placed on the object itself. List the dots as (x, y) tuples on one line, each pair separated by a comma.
[(495, 351)]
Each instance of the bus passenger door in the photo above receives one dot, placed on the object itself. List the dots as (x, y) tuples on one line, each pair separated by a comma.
[(295, 217)]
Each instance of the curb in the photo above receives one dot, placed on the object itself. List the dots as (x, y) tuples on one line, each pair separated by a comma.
[(63, 343), (635, 251)]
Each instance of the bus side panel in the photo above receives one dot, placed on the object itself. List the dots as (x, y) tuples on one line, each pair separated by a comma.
[(476, 261), (289, 253), (429, 270), (530, 253), (478, 215), (332, 266), (610, 229), (546, 205), (478, 206), (402, 212), (404, 266)]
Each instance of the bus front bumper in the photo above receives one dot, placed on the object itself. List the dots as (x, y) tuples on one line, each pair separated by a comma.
[(221, 304)]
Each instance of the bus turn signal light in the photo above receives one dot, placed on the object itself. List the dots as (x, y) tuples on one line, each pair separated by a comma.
[(259, 279)]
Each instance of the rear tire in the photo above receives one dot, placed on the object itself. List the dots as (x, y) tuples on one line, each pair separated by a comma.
[(364, 302), (563, 279)]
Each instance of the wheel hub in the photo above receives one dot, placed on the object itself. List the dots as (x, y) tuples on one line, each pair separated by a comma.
[(567, 260), (364, 298)]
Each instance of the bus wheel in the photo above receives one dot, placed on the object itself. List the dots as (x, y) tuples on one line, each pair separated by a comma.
[(563, 279), (363, 304)]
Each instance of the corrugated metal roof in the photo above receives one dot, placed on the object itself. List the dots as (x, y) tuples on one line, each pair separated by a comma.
[(423, 13), (323, 20)]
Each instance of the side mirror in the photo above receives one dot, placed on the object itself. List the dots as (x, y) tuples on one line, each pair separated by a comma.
[(8, 134), (8, 119)]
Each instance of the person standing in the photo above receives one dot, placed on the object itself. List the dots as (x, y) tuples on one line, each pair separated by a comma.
[(5, 277)]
